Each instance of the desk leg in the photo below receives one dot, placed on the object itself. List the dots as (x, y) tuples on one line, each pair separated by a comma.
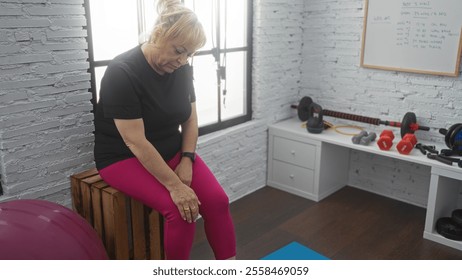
[(430, 220), (334, 166)]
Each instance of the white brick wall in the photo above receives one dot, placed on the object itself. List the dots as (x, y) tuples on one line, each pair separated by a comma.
[(331, 75), (237, 156), (46, 122), (277, 57)]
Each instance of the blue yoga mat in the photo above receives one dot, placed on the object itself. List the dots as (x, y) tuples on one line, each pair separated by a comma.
[(294, 251)]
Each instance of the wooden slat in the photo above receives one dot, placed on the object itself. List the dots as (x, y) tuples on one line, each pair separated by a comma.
[(75, 188), (138, 230), (118, 221), (85, 185), (129, 229), (108, 222), (97, 202), (156, 246)]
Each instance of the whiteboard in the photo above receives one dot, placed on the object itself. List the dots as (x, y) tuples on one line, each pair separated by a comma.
[(421, 36)]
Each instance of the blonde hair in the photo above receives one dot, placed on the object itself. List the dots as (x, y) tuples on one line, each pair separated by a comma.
[(176, 21)]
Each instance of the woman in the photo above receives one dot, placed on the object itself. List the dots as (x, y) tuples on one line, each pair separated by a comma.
[(146, 95)]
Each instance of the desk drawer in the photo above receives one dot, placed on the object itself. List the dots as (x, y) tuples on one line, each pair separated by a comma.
[(298, 153), (298, 178)]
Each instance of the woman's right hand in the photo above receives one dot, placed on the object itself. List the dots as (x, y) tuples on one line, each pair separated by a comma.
[(187, 202)]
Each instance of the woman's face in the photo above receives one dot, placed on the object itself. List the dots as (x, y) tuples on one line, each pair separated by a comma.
[(171, 55)]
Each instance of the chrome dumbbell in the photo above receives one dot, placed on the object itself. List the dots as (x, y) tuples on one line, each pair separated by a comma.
[(357, 138), (368, 139)]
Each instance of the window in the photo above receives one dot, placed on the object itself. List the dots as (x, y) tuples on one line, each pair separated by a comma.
[(221, 68)]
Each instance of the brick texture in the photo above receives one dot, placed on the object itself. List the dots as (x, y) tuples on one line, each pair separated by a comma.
[(45, 131)]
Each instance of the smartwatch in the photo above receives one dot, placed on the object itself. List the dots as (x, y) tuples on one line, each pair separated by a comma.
[(190, 155)]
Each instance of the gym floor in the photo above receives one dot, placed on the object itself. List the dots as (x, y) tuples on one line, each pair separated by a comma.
[(351, 224)]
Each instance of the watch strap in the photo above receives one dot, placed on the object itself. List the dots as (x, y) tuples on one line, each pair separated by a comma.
[(189, 155)]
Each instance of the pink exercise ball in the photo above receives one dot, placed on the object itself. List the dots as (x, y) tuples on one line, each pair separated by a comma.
[(42, 230)]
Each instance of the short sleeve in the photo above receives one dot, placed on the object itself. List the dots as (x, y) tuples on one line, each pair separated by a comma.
[(120, 100), (192, 92)]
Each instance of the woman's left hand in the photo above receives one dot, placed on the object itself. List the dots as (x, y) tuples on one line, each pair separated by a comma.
[(184, 171)]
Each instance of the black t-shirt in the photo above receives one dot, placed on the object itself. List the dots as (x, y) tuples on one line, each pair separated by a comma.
[(131, 89)]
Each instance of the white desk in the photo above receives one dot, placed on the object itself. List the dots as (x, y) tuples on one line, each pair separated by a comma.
[(316, 165)]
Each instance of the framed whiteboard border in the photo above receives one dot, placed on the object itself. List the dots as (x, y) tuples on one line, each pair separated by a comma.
[(418, 71)]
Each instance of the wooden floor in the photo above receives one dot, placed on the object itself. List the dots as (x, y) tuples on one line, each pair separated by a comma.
[(351, 224)]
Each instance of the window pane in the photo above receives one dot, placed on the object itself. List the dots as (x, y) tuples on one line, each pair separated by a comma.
[(205, 85), (234, 102), (114, 27), (149, 17), (205, 9), (99, 72), (233, 31)]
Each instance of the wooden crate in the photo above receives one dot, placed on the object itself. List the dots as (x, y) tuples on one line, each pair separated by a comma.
[(129, 229)]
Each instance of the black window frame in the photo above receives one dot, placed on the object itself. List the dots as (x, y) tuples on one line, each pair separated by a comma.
[(216, 52)]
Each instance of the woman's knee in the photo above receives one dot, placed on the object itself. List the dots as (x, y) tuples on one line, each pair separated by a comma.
[(218, 205), (173, 218)]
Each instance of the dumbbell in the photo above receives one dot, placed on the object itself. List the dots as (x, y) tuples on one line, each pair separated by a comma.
[(406, 144), (357, 138), (385, 140), (363, 138), (368, 139)]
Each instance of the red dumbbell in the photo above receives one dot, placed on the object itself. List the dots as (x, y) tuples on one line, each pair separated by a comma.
[(386, 140), (406, 144)]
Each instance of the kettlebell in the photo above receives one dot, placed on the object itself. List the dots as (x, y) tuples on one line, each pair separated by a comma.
[(315, 123)]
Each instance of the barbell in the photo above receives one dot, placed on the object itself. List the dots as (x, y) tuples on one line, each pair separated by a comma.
[(305, 111)]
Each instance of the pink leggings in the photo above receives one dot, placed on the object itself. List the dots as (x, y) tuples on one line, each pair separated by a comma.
[(131, 178)]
